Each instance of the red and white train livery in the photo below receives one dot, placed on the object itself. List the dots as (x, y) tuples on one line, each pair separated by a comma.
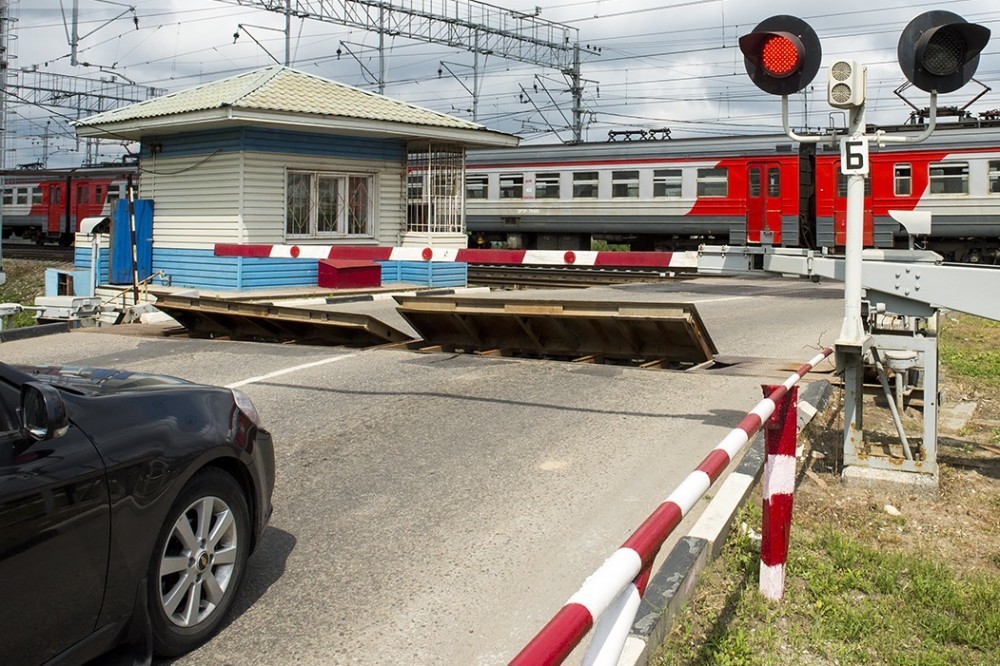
[(47, 207), (737, 190)]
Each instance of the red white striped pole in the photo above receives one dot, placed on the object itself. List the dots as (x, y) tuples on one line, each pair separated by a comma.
[(611, 581), (778, 490)]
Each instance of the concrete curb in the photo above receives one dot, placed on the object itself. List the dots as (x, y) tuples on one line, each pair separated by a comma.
[(27, 332), (670, 588)]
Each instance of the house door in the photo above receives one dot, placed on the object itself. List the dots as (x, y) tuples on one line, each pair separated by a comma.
[(764, 203)]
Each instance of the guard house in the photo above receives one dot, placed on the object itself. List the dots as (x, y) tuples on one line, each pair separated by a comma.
[(278, 158)]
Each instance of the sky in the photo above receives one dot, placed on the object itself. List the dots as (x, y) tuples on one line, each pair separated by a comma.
[(645, 64)]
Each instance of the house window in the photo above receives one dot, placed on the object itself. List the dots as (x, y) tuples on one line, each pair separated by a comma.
[(546, 185), (949, 178), (511, 186), (625, 184), (476, 187), (328, 204), (994, 177), (585, 185), (903, 180), (667, 183), (713, 182)]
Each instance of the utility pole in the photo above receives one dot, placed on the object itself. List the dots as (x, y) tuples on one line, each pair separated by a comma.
[(5, 57)]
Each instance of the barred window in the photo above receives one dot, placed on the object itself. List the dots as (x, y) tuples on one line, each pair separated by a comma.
[(321, 204)]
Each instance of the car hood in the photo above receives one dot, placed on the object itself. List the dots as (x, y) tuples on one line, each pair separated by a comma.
[(99, 380)]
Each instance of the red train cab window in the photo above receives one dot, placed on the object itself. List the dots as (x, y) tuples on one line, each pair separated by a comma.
[(754, 182), (774, 182), (903, 180)]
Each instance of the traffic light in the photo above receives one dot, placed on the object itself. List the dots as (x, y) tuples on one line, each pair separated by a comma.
[(846, 86), (782, 54), (939, 51)]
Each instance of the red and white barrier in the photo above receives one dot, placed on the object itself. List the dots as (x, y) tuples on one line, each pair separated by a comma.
[(618, 584), (665, 260), (778, 490)]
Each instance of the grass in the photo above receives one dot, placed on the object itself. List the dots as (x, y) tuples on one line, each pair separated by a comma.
[(25, 281), (864, 586)]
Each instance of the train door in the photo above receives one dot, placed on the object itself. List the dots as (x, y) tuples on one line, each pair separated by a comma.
[(764, 202), (840, 211)]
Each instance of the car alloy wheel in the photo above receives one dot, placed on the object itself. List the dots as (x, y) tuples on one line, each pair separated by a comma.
[(198, 562)]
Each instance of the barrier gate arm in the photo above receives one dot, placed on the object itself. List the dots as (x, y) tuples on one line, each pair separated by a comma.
[(610, 595), (912, 281)]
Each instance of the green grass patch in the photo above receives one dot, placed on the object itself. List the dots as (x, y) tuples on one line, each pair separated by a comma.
[(25, 281), (846, 602), (967, 347)]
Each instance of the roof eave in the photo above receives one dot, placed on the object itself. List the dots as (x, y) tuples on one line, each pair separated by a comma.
[(135, 129)]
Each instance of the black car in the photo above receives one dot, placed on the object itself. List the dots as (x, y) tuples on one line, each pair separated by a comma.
[(129, 504)]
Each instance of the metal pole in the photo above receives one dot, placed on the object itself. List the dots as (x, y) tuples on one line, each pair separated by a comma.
[(131, 229)]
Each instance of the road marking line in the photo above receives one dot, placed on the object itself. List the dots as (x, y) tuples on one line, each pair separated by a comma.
[(278, 373)]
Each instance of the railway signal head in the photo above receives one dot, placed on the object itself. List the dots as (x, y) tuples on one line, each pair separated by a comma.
[(846, 86), (781, 55), (939, 51)]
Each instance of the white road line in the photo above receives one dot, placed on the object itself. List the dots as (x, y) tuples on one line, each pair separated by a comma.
[(286, 371)]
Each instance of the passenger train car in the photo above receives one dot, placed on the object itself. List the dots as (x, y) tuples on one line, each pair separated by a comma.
[(48, 207), (677, 194)]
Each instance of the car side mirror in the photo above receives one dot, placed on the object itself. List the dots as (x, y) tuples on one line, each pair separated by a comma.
[(43, 412)]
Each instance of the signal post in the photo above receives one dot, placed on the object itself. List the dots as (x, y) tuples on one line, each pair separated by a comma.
[(938, 53)]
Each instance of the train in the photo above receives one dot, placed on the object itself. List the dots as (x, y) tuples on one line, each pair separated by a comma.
[(47, 206), (678, 194)]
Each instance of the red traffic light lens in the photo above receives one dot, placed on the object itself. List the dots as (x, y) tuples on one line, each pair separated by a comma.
[(779, 56), (944, 54)]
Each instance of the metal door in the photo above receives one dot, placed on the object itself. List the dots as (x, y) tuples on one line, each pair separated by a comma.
[(764, 203), (121, 241)]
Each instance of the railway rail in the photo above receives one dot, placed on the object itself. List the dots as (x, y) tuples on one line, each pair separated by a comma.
[(31, 252), (565, 276)]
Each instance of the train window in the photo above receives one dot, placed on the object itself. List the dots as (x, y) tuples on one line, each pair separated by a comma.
[(994, 176), (753, 179), (585, 185), (36, 196), (625, 184), (8, 196), (774, 182), (547, 185), (98, 194), (511, 186), (667, 183), (22, 196), (713, 182), (949, 178), (476, 187), (903, 179)]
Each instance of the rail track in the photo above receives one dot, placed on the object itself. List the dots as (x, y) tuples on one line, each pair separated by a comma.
[(565, 276), (31, 252)]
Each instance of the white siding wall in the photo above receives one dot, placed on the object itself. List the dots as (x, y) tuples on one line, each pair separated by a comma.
[(196, 199), (263, 210)]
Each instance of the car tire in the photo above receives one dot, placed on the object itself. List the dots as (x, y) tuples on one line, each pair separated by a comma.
[(198, 562)]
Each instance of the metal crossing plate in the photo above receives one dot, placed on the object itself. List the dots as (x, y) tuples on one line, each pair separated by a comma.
[(235, 319), (634, 332)]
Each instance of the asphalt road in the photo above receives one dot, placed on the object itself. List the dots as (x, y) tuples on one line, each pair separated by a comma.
[(439, 508)]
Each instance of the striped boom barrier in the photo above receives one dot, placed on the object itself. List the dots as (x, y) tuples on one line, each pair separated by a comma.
[(683, 260), (621, 580), (778, 490)]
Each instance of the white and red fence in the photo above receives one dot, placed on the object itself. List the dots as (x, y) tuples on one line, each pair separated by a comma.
[(610, 597)]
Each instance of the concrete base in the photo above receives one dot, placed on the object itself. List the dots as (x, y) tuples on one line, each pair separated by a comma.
[(925, 485)]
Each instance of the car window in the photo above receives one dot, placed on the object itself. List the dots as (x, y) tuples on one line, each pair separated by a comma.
[(6, 418)]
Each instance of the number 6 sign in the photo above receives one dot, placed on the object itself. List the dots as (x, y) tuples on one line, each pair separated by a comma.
[(854, 156)]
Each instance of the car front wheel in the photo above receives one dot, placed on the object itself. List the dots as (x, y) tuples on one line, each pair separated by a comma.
[(198, 562)]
